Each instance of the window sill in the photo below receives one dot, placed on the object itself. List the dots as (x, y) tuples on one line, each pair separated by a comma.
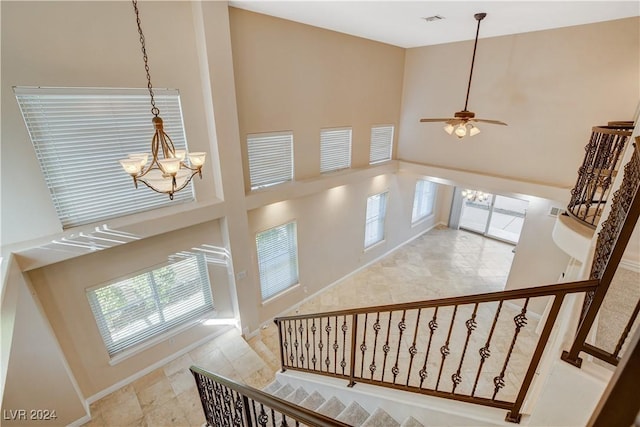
[(281, 293), (139, 348)]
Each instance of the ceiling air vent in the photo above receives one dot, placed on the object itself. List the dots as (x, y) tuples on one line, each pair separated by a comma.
[(555, 211), (433, 18)]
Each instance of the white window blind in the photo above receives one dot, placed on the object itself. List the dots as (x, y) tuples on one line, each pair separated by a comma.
[(135, 309), (277, 259), (374, 222), (335, 149), (80, 134), (423, 200), (270, 158), (381, 144)]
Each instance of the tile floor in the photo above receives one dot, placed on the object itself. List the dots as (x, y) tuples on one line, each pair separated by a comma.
[(441, 263)]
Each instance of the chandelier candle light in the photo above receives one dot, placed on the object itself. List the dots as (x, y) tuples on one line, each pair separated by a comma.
[(168, 174), (475, 196)]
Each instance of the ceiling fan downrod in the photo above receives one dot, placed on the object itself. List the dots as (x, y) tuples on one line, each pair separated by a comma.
[(479, 17)]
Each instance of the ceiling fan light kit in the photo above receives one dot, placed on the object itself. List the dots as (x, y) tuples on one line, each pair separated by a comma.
[(460, 124)]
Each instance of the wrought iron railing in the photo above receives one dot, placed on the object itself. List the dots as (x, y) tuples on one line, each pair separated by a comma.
[(455, 348), (612, 241), (227, 403), (598, 171)]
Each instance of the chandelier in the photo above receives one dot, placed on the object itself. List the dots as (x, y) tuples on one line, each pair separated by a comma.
[(176, 168), (475, 196)]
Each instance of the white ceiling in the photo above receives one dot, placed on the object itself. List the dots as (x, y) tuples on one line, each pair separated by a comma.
[(400, 23)]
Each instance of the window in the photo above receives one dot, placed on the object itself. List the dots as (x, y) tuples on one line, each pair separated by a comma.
[(335, 149), (277, 259), (135, 309), (423, 200), (80, 134), (374, 223), (270, 158), (381, 144)]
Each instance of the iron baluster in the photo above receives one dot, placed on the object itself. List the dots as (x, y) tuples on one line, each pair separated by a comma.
[(301, 330), (376, 328), (335, 347), (306, 343), (444, 350), (520, 321), (313, 332), (352, 362), (343, 362), (625, 332), (471, 325), (247, 410), (363, 346), (401, 327), (295, 343), (433, 325), (385, 347), (289, 329), (485, 352), (327, 328), (413, 350), (320, 345)]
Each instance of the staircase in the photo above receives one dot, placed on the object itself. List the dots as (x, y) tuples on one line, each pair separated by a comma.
[(351, 413)]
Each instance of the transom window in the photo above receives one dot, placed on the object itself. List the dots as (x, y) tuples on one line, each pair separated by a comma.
[(277, 259), (381, 144), (423, 200), (270, 158), (335, 149), (133, 310), (374, 222), (80, 134)]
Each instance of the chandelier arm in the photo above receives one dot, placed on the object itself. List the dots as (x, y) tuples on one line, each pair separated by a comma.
[(479, 17), (154, 158), (171, 148), (174, 189), (154, 110)]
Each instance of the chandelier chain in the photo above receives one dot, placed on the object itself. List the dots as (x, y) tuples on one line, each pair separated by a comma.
[(154, 110)]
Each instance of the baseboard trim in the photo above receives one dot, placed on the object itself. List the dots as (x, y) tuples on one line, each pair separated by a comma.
[(99, 395), (80, 421), (343, 278)]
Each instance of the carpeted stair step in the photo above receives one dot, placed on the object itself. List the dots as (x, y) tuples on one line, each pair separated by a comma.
[(313, 401), (272, 388), (354, 415), (283, 391), (331, 408), (380, 418), (411, 422), (297, 396)]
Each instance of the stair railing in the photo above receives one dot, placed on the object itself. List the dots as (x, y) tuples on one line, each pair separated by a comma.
[(227, 403), (432, 347), (612, 240), (597, 172)]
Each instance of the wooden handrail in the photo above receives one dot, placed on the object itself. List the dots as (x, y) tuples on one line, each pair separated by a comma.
[(299, 413), (540, 291)]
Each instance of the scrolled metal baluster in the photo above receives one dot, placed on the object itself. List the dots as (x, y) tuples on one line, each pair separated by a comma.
[(401, 327), (335, 348), (306, 343), (320, 344), (344, 328), (444, 350), (313, 332), (289, 329), (413, 350), (433, 325), (520, 321), (471, 325), (296, 344), (385, 347), (376, 329), (301, 357), (627, 329), (327, 328), (363, 346), (485, 351)]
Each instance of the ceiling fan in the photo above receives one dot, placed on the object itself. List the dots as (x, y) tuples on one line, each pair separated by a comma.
[(460, 124)]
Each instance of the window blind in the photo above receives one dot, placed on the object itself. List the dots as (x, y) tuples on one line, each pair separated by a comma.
[(80, 134), (381, 144), (423, 199), (270, 158), (133, 310), (277, 259), (335, 149), (374, 222)]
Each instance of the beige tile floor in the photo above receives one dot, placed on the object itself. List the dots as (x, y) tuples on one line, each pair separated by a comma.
[(441, 263)]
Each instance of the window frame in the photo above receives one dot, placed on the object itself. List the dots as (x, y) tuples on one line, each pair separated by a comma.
[(265, 176), (79, 134), (332, 153), (379, 219), (269, 292), (418, 198), (377, 147), (118, 349)]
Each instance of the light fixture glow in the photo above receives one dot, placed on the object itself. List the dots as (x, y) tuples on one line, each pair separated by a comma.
[(168, 174), (461, 131), (449, 128), (475, 195), (473, 130)]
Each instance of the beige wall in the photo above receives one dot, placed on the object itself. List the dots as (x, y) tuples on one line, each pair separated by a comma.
[(295, 77), (67, 307), (550, 86)]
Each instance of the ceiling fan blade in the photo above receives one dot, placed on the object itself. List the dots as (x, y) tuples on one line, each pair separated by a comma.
[(493, 122), (435, 120)]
